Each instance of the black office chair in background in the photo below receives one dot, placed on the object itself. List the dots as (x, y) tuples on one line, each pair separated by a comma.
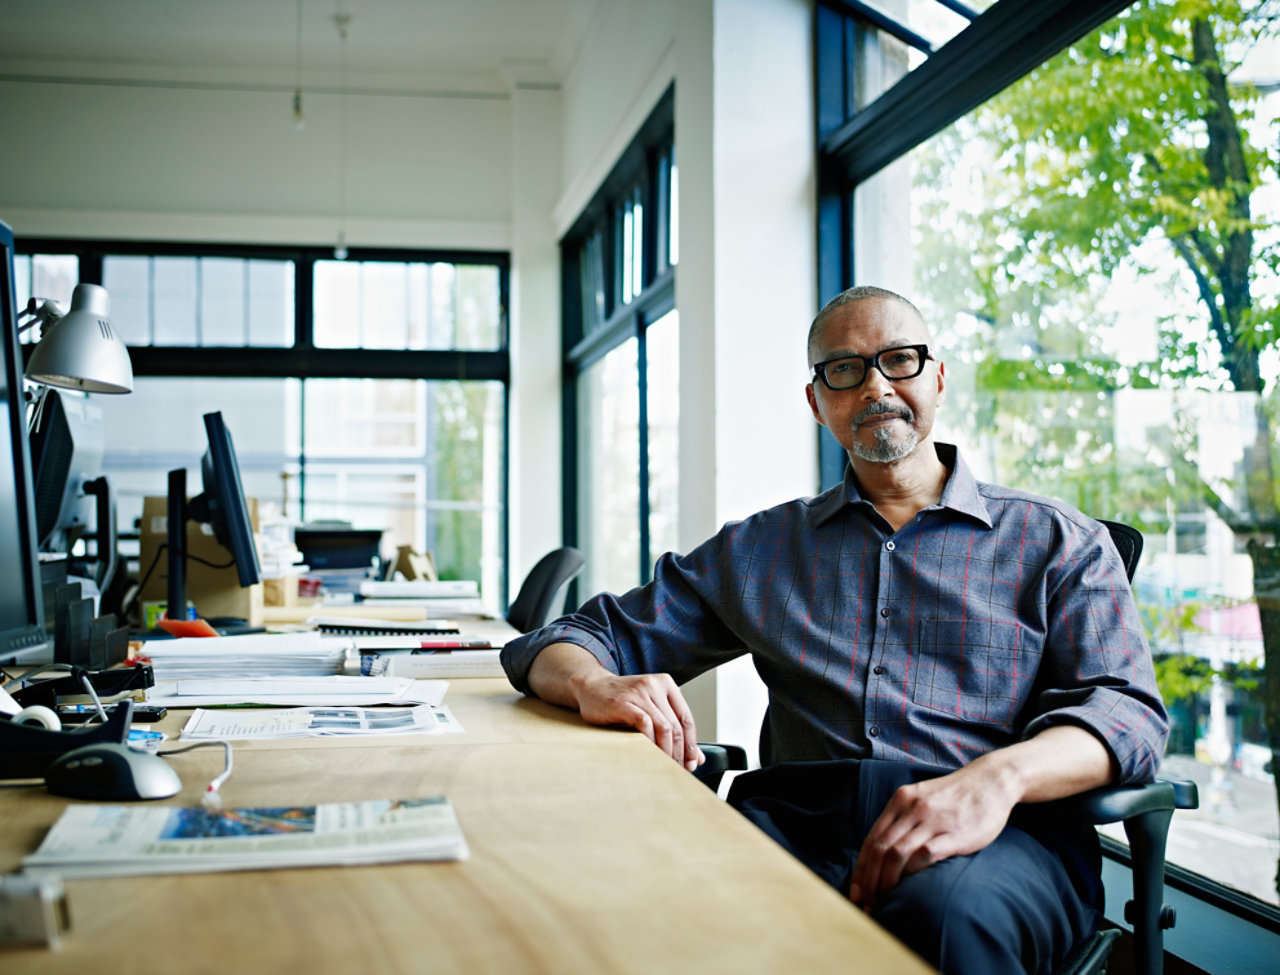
[(541, 597), (1144, 810)]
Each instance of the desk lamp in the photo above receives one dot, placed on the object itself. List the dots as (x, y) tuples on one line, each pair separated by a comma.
[(79, 349)]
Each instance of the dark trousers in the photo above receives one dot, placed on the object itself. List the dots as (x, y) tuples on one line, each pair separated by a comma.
[(1019, 905)]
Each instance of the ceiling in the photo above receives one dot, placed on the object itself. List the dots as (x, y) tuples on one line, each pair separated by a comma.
[(392, 44)]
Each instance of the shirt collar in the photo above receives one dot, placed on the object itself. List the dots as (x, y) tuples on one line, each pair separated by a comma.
[(960, 493)]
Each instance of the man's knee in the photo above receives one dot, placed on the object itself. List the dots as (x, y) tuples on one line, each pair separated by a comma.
[(950, 912), (962, 917)]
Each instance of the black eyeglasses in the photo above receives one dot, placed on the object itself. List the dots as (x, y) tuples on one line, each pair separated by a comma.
[(850, 371)]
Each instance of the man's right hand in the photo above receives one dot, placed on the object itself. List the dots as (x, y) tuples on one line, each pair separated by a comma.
[(650, 703)]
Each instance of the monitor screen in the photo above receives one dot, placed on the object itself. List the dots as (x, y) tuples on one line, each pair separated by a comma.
[(23, 637), (228, 512), (66, 438), (222, 504)]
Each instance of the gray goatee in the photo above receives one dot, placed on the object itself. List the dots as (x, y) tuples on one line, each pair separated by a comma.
[(884, 450)]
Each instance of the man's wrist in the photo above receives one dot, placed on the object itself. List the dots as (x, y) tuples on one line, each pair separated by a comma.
[(1004, 773)]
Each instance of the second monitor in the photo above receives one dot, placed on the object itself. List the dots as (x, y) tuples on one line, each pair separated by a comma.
[(221, 504)]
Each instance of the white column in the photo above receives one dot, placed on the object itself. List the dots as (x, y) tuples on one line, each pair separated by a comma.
[(745, 285), (535, 454)]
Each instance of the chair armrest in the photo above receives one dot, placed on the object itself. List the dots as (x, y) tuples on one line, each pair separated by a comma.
[(719, 759), (1113, 804)]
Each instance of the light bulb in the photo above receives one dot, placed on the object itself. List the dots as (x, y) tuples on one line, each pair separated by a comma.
[(340, 252), (299, 123)]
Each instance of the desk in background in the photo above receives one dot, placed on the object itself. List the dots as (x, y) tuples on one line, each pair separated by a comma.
[(591, 853)]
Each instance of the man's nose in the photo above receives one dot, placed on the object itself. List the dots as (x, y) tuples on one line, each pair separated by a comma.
[(875, 386)]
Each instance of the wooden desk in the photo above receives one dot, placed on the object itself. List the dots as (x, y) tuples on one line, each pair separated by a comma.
[(591, 853)]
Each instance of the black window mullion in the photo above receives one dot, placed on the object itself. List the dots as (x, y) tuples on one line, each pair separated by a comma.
[(303, 304), (642, 363)]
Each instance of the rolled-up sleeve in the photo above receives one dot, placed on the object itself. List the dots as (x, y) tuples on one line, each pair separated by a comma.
[(672, 625), (1097, 670)]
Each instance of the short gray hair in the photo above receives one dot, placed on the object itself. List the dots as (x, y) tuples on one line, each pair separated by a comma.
[(861, 292)]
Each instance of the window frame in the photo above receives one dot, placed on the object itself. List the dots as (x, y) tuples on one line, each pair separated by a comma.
[(302, 359)]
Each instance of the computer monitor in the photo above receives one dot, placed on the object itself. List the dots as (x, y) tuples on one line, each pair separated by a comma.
[(23, 637), (221, 504), (66, 437)]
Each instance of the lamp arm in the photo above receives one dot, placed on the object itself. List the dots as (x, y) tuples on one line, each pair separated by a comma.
[(41, 311)]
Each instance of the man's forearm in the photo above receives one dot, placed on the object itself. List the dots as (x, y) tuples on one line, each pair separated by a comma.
[(557, 672), (1060, 761)]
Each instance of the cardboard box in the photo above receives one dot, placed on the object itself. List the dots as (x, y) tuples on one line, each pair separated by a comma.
[(280, 592), (215, 592)]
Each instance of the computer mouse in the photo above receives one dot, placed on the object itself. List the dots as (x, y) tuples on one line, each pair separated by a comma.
[(111, 772)]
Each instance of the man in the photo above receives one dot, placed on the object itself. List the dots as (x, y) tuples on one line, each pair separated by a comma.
[(940, 654)]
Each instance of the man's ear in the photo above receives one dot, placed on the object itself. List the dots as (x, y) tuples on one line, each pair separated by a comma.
[(813, 403), (942, 383)]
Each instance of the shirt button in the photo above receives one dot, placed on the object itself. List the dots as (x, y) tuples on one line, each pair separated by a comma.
[(873, 731), (889, 545), (885, 612), (877, 669)]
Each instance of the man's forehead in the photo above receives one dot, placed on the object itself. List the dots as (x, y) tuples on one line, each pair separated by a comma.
[(871, 321)]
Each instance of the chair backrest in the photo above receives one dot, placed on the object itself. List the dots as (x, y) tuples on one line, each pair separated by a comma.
[(541, 597), (1128, 542)]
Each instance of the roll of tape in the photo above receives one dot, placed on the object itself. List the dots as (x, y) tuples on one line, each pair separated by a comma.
[(39, 716)]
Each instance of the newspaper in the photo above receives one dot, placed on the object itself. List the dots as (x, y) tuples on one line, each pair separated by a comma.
[(318, 722), (114, 841)]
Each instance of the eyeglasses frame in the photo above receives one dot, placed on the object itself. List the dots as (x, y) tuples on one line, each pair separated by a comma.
[(871, 362)]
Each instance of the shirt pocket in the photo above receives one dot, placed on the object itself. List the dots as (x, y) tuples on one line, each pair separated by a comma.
[(980, 672)]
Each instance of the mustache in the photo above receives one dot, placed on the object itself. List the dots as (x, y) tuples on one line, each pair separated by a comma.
[(875, 409)]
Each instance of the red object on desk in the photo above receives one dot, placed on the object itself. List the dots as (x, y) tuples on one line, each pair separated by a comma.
[(186, 627)]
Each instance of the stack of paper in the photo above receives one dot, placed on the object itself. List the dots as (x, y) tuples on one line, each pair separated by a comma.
[(111, 841), (420, 589), (431, 663), (328, 691), (254, 654)]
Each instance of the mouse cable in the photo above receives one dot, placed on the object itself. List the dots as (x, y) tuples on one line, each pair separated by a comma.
[(212, 799), (76, 672)]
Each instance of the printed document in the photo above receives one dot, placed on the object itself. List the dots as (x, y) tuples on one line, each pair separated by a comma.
[(319, 722), (110, 841)]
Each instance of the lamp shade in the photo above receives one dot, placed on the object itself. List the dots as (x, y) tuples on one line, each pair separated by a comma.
[(81, 350)]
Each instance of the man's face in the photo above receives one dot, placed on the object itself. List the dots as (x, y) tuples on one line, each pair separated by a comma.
[(880, 421)]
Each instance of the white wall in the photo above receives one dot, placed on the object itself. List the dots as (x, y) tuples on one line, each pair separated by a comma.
[(178, 163), (745, 284)]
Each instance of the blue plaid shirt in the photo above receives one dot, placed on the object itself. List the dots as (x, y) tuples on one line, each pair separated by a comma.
[(987, 618)]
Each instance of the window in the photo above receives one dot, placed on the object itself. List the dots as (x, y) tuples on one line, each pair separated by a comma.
[(621, 337), (380, 399), (1061, 238)]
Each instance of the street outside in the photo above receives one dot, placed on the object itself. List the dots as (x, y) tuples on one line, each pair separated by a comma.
[(1233, 838)]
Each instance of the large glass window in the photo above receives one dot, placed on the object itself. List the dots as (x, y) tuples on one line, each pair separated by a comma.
[(1095, 248), (201, 301), (621, 338), (380, 401), (1104, 347), (609, 470)]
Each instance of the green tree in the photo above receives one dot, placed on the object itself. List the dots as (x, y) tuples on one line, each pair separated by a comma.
[(1133, 140)]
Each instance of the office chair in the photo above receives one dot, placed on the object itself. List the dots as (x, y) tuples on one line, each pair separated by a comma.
[(542, 594), (1144, 811)]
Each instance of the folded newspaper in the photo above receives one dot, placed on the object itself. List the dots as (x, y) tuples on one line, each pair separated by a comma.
[(114, 841)]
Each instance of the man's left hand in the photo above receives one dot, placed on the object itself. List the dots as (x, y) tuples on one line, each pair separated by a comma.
[(965, 811), (930, 821)]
